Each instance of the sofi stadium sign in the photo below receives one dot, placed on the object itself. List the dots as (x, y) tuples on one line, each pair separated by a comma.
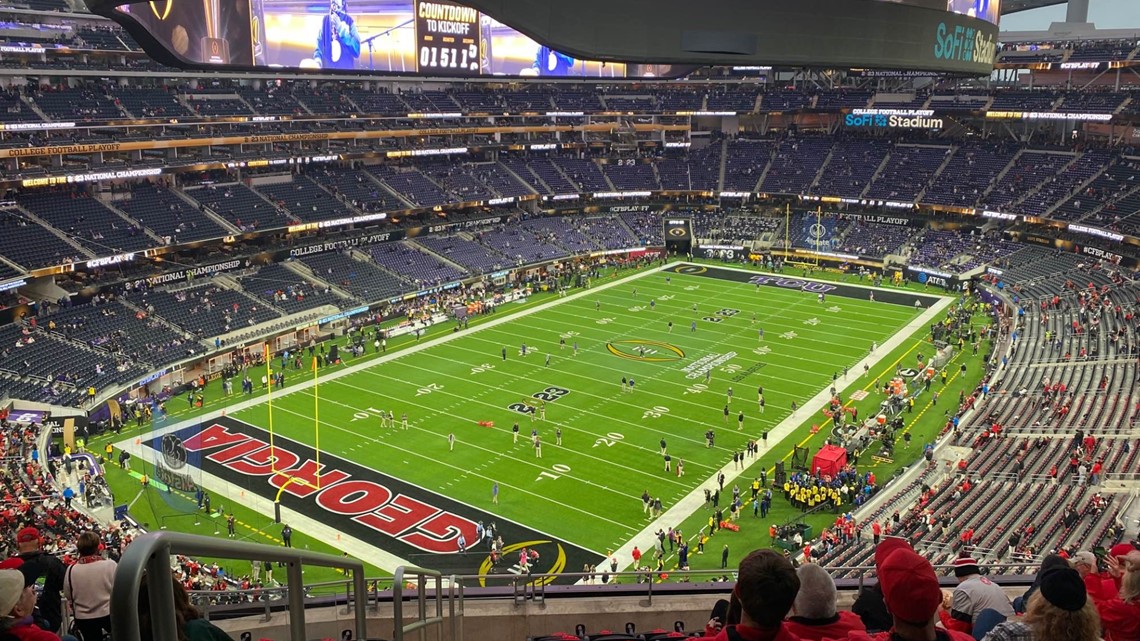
[(892, 121), (964, 44)]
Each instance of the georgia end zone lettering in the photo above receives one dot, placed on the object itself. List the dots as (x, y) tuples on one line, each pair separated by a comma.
[(416, 525), (341, 493)]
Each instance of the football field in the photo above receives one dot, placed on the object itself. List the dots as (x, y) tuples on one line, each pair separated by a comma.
[(689, 340)]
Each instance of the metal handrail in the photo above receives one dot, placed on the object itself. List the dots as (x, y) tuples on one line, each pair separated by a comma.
[(422, 622), (150, 553), (455, 608)]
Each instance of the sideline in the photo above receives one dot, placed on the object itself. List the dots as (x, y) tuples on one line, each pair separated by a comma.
[(365, 551), (687, 506)]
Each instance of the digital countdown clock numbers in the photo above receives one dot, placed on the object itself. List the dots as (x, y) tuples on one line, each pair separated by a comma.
[(447, 38)]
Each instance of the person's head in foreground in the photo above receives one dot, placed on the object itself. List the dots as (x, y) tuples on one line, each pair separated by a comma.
[(1060, 610), (910, 590), (766, 588)]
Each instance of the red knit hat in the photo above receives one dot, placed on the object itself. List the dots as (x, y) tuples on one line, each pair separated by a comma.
[(910, 587), (966, 566), (889, 545)]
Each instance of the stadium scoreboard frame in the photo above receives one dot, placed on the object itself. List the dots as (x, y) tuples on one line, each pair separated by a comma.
[(648, 38)]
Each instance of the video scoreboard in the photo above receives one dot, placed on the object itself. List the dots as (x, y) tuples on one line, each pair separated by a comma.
[(448, 39)]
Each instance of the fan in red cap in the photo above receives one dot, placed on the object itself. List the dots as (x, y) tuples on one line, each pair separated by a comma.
[(912, 596), (37, 565)]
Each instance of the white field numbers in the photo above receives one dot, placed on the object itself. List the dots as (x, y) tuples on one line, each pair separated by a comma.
[(479, 369), (609, 439), (428, 389), (657, 411), (370, 412), (557, 470), (696, 388)]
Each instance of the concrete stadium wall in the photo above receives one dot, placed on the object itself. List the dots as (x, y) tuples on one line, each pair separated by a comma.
[(502, 619)]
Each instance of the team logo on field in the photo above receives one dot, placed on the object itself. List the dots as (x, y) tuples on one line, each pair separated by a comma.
[(690, 269), (173, 452), (546, 549), (648, 351), (907, 372)]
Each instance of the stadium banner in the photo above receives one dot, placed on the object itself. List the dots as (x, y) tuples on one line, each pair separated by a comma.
[(1104, 254), (191, 273), (338, 245), (269, 139), (721, 252), (927, 276), (677, 229), (879, 219), (415, 524), (449, 227), (819, 231)]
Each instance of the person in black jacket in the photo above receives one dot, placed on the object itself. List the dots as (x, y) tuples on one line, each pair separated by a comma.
[(1050, 561), (36, 565), (871, 609)]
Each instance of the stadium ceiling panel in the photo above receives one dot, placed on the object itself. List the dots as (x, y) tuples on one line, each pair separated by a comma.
[(1013, 6)]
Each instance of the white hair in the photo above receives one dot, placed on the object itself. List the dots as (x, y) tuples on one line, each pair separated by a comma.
[(816, 598)]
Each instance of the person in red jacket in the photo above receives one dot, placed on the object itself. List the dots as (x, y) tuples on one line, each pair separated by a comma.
[(765, 589), (1120, 616), (17, 602), (814, 613), (1099, 585), (911, 594)]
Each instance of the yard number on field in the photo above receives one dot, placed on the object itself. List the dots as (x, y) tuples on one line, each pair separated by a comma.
[(428, 389), (655, 412), (609, 439), (559, 470)]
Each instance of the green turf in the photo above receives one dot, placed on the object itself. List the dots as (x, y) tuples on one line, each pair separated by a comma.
[(587, 490)]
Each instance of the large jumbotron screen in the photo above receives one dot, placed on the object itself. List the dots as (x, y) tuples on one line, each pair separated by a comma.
[(429, 37), (442, 38), (988, 10)]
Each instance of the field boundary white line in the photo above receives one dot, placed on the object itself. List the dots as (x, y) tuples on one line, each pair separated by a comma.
[(687, 506), (367, 552)]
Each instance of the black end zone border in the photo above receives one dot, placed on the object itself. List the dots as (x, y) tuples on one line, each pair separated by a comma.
[(828, 288), (415, 524)]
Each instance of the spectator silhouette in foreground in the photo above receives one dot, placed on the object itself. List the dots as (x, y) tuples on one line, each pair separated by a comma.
[(766, 587), (1049, 562), (974, 595), (17, 603), (1121, 615), (814, 613), (911, 594), (869, 604), (87, 586), (37, 564), (191, 626), (1060, 610)]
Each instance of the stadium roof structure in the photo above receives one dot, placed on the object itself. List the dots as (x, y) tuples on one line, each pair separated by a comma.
[(1014, 6)]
